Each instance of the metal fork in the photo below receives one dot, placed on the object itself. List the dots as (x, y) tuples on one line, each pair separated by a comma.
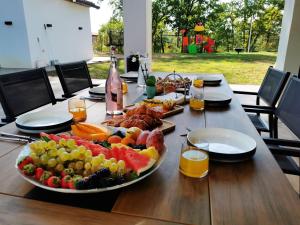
[(15, 137)]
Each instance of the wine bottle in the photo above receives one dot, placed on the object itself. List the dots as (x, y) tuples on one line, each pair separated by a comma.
[(113, 88)]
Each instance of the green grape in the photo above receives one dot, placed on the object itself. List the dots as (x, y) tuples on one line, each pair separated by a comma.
[(121, 164), (59, 167), (75, 154), (44, 158), (51, 144), (86, 173), (71, 144), (62, 142), (102, 157), (88, 159), (87, 166), (52, 162), (53, 153), (64, 156), (33, 147), (95, 161), (81, 149), (113, 167), (61, 150), (88, 153), (58, 160), (106, 163), (79, 165), (112, 160), (71, 165), (81, 156), (33, 155)]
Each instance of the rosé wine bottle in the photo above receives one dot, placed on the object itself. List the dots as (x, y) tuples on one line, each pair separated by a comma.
[(113, 89)]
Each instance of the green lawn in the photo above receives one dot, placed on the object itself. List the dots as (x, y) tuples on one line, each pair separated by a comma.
[(246, 68)]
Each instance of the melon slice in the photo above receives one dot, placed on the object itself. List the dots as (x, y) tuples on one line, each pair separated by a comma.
[(139, 163)]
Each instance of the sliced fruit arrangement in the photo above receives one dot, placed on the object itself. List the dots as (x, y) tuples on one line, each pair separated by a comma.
[(90, 131), (65, 161)]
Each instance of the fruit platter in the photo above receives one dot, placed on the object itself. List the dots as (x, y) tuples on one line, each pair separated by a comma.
[(96, 163), (143, 117), (168, 84)]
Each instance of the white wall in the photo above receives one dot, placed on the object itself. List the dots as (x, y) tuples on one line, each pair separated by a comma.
[(137, 27), (14, 49), (63, 41), (289, 44)]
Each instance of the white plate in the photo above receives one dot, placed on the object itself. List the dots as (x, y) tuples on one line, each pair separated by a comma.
[(37, 131), (25, 152), (130, 75), (97, 91), (43, 120), (224, 144), (177, 97)]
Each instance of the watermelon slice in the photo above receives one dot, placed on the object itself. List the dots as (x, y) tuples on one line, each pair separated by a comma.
[(139, 163)]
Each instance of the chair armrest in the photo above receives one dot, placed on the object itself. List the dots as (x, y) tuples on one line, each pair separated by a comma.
[(245, 92), (269, 111), (282, 142), (60, 99), (285, 151), (258, 107)]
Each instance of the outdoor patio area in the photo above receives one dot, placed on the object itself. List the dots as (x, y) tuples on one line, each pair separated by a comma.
[(150, 112)]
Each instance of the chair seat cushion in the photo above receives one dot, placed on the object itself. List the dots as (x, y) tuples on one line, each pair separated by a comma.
[(258, 123)]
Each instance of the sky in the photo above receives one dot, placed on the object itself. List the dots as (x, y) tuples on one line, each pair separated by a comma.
[(100, 16)]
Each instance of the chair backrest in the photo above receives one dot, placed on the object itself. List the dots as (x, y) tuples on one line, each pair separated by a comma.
[(288, 110), (73, 77), (23, 91), (273, 85)]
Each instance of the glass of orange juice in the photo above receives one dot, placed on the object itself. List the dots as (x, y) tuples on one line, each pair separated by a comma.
[(78, 108), (194, 161), (197, 100), (198, 83), (124, 87)]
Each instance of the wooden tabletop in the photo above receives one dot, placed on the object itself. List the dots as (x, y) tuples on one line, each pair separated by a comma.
[(251, 192)]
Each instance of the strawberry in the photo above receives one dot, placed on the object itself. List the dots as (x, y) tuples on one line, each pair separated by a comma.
[(24, 161), (38, 173), (29, 169), (45, 176), (68, 171), (65, 181), (73, 182), (54, 182)]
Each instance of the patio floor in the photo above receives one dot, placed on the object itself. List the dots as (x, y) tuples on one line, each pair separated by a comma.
[(283, 130)]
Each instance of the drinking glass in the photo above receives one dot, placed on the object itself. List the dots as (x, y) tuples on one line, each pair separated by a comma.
[(197, 100), (78, 108), (194, 161), (124, 87)]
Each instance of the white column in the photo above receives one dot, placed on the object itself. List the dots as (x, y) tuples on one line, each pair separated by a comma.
[(288, 58), (137, 27)]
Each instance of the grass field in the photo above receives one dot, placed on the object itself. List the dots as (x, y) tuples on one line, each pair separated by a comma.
[(245, 68)]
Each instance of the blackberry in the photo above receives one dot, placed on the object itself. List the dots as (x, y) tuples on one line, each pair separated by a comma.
[(104, 172), (119, 179), (81, 185), (139, 147)]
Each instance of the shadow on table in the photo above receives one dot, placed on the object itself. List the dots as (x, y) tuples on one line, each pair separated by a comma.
[(99, 201)]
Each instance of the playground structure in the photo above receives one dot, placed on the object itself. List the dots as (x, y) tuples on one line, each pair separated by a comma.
[(197, 41)]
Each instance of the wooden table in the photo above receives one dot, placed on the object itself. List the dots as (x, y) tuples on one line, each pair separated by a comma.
[(251, 192)]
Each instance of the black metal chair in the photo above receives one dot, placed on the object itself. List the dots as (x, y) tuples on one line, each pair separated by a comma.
[(74, 77), (269, 91), (24, 91), (288, 111)]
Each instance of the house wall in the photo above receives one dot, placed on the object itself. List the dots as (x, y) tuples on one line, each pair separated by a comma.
[(14, 45), (63, 41), (289, 44)]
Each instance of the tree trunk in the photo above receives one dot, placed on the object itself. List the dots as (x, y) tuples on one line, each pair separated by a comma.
[(162, 42)]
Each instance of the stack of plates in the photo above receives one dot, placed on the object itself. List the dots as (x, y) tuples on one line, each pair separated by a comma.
[(43, 121), (97, 91), (215, 99), (211, 80), (224, 145), (132, 76)]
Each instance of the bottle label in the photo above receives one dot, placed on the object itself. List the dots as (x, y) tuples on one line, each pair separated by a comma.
[(114, 97)]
